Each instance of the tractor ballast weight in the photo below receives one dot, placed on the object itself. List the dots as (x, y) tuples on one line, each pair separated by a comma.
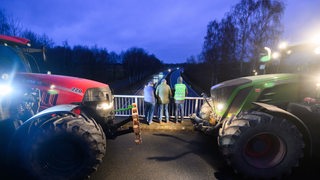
[(52, 126)]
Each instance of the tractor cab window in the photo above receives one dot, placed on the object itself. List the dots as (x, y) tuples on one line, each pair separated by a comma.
[(11, 60)]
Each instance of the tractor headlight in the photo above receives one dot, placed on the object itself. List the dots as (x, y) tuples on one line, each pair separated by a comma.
[(220, 106), (5, 89), (104, 106)]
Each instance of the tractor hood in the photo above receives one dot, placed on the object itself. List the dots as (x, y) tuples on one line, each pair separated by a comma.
[(58, 89), (230, 97), (254, 79), (59, 82)]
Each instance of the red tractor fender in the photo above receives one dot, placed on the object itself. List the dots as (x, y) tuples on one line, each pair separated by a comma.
[(66, 108)]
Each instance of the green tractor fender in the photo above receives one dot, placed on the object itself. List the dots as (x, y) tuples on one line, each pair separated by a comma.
[(278, 112)]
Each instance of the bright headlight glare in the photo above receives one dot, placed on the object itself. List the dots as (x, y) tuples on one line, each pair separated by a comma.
[(5, 89), (220, 106), (104, 106)]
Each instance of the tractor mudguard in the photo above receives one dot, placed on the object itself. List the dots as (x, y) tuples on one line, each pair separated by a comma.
[(55, 109), (24, 129), (27, 125), (276, 111)]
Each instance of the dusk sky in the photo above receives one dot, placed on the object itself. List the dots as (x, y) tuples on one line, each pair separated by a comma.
[(172, 30)]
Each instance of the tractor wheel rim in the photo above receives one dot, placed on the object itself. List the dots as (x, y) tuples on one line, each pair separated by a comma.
[(264, 150)]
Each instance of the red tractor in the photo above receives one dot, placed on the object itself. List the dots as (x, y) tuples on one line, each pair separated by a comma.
[(51, 126)]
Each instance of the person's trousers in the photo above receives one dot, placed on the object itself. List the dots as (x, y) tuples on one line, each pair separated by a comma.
[(149, 111), (179, 109), (166, 111)]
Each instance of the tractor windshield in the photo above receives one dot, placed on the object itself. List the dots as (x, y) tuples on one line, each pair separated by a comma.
[(12, 60), (222, 94)]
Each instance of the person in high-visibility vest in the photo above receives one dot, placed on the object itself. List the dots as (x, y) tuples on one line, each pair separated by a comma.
[(180, 93)]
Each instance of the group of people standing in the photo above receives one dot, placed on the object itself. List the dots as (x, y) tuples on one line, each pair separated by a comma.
[(161, 96)]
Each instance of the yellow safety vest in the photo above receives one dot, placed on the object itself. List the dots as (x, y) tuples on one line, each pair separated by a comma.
[(180, 91)]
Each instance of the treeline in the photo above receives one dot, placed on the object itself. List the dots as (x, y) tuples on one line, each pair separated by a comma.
[(93, 63), (101, 65), (233, 45)]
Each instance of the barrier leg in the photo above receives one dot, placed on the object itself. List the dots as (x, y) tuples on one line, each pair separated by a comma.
[(136, 124)]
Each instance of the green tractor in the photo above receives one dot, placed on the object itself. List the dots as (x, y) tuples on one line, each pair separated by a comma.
[(267, 123)]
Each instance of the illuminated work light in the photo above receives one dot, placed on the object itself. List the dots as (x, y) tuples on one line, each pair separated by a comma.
[(5, 89)]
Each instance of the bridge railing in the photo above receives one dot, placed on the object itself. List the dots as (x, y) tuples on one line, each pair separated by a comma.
[(191, 105)]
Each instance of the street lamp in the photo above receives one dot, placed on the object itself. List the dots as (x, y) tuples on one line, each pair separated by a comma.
[(275, 55)]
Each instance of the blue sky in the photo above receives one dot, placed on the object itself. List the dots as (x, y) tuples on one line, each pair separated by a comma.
[(172, 30)]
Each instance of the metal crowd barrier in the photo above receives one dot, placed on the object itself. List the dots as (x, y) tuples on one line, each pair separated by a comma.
[(191, 105)]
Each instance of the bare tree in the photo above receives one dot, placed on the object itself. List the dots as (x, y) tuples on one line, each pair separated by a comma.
[(241, 36), (37, 40), (9, 25), (259, 25), (138, 64)]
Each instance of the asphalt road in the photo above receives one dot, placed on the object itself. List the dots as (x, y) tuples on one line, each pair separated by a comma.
[(174, 155), (163, 155), (170, 155)]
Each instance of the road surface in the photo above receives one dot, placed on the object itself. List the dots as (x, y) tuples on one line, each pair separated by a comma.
[(173, 155)]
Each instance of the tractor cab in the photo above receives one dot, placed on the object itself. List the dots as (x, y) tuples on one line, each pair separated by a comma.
[(15, 55)]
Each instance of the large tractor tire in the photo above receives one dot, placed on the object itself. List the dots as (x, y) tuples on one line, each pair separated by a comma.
[(259, 145), (63, 147)]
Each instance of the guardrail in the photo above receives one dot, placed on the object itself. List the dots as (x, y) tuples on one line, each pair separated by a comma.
[(191, 105)]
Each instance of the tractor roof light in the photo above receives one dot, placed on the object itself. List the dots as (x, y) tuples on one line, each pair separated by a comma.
[(317, 50), (276, 55), (283, 45)]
